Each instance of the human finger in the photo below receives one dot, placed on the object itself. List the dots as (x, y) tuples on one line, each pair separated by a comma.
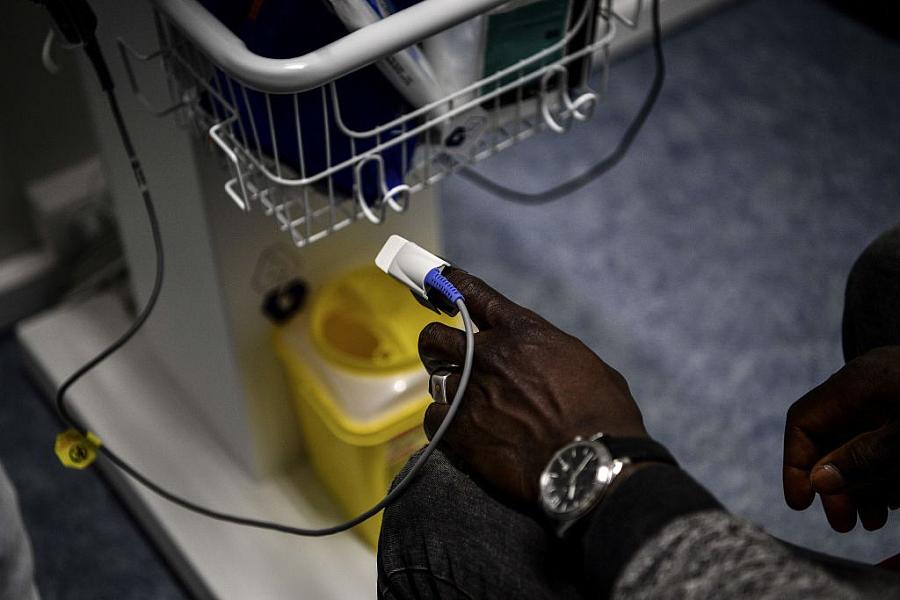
[(893, 500), (867, 460), (840, 511), (488, 307), (891, 496), (800, 454), (434, 416), (873, 512), (441, 346), (830, 414), (460, 431), (863, 395)]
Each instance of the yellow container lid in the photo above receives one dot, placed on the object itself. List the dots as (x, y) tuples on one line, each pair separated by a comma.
[(367, 322)]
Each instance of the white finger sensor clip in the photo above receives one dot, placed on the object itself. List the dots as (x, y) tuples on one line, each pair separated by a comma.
[(410, 264)]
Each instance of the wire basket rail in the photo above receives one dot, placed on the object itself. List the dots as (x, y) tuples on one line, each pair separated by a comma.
[(321, 140)]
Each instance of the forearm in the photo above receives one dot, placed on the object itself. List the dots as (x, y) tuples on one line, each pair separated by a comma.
[(660, 534)]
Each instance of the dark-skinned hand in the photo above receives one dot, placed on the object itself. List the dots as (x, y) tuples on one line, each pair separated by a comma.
[(533, 389), (842, 441)]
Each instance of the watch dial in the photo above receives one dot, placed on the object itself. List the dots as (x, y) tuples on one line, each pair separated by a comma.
[(574, 477)]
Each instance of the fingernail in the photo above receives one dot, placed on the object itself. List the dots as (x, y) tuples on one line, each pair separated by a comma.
[(827, 479)]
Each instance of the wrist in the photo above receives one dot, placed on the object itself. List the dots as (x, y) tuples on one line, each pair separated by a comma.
[(651, 497), (626, 472), (584, 472), (578, 529)]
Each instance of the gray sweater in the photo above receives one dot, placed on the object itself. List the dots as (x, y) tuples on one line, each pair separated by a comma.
[(737, 561), (661, 535)]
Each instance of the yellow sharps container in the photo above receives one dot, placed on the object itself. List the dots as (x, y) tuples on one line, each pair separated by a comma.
[(352, 360)]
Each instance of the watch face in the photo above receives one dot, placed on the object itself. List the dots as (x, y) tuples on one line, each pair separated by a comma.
[(575, 477)]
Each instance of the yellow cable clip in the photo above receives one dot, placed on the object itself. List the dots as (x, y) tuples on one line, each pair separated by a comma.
[(76, 451)]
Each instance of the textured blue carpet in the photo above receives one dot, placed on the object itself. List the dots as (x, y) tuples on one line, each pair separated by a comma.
[(86, 546), (709, 266)]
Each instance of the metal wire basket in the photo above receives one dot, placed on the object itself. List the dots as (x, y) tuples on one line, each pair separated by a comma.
[(282, 126)]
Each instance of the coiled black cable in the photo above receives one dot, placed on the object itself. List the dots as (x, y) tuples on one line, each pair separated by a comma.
[(609, 161)]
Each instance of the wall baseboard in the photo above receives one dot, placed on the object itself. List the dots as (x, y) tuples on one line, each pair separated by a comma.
[(28, 284)]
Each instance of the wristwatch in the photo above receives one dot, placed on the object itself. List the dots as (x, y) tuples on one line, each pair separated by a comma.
[(579, 475)]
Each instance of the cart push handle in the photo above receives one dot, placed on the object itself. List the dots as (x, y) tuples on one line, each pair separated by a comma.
[(314, 69)]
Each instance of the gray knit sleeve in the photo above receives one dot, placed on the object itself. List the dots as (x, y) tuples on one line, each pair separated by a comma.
[(660, 534), (712, 554)]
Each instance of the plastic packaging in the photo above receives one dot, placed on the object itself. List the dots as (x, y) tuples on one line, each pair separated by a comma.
[(284, 29), (456, 58), (517, 31), (456, 54), (408, 70)]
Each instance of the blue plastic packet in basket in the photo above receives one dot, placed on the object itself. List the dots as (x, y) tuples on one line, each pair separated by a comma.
[(365, 99)]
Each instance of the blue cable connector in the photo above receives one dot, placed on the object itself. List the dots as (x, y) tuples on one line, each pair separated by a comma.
[(436, 280)]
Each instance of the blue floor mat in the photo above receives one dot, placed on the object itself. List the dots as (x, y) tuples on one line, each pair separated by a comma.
[(86, 545), (709, 266)]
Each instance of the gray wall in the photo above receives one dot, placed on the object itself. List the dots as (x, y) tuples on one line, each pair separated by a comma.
[(44, 122)]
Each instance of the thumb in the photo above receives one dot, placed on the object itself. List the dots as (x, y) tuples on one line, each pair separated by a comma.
[(434, 416), (866, 459)]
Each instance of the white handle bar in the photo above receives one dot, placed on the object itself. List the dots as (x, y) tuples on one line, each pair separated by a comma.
[(314, 69)]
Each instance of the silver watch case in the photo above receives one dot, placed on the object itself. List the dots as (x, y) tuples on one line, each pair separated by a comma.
[(585, 495)]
